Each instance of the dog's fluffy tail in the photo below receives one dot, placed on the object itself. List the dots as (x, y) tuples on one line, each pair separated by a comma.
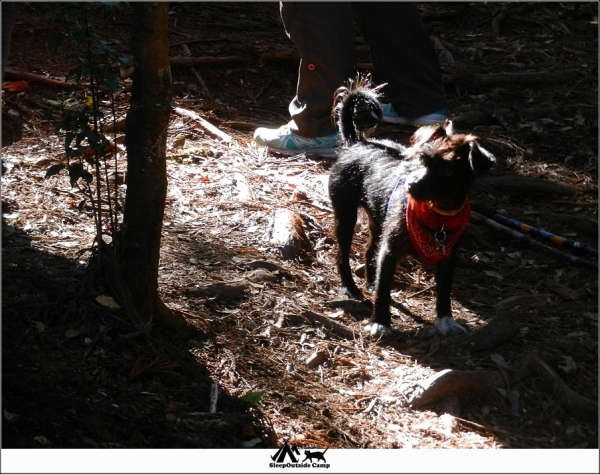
[(347, 98)]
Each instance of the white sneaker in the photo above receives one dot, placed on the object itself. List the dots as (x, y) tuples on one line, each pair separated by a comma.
[(282, 140)]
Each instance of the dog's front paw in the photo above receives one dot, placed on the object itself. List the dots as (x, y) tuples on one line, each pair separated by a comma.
[(378, 330), (352, 293), (446, 326)]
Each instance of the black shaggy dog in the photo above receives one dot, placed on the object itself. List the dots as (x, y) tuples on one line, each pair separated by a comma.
[(413, 196)]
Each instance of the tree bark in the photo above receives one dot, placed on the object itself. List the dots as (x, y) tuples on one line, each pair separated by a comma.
[(146, 140)]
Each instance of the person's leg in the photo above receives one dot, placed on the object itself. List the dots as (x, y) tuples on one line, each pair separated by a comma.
[(323, 33), (403, 56)]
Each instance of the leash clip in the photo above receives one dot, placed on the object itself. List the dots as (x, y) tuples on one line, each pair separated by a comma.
[(441, 236)]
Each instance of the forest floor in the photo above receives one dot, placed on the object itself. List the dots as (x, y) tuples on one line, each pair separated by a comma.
[(71, 376)]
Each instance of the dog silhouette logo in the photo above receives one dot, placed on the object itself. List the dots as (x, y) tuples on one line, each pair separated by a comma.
[(312, 455), (288, 451)]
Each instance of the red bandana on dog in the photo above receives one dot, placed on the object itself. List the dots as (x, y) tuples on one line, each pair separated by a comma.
[(433, 234)]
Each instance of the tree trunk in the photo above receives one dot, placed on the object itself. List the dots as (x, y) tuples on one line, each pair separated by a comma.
[(146, 132)]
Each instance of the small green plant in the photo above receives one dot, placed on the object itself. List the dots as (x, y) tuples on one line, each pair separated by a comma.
[(89, 152), (253, 397)]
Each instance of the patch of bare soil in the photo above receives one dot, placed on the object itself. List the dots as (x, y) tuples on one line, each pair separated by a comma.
[(523, 75)]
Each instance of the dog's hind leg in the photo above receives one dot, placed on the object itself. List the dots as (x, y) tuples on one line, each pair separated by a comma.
[(444, 274), (386, 266), (371, 253), (344, 232)]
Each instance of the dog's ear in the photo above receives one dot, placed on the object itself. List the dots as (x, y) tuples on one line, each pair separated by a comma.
[(427, 133), (437, 132), (480, 158)]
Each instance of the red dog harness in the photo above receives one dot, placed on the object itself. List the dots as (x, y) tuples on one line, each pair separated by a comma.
[(433, 232)]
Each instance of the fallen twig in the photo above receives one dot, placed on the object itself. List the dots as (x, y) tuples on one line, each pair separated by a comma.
[(187, 53), (28, 76), (207, 61), (204, 124), (329, 324)]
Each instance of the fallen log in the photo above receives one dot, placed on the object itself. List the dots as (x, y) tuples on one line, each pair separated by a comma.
[(287, 233), (204, 124), (11, 73), (206, 61)]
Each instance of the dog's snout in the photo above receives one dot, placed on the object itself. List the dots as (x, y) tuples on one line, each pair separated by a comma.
[(416, 182)]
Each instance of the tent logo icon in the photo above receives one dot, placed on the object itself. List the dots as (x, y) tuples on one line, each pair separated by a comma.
[(290, 456), (288, 451)]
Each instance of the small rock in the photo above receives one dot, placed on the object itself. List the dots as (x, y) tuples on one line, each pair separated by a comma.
[(316, 359)]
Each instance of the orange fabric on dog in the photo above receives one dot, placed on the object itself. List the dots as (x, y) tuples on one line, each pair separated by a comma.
[(433, 235)]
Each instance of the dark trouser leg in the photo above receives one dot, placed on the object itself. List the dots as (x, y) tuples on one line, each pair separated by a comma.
[(403, 56), (324, 35), (8, 21)]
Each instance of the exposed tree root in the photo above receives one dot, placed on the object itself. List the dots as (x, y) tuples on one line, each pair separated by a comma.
[(531, 364), (450, 381), (500, 329), (528, 366)]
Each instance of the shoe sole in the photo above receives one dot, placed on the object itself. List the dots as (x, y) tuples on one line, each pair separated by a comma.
[(324, 152), (408, 122), (403, 121)]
